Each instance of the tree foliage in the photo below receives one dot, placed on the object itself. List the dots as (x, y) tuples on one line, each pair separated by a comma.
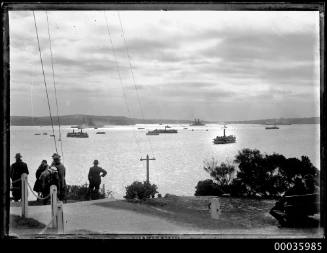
[(258, 174)]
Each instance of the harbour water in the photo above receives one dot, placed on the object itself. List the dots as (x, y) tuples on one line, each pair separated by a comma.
[(179, 157)]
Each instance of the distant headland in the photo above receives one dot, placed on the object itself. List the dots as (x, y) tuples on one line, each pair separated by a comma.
[(93, 120)]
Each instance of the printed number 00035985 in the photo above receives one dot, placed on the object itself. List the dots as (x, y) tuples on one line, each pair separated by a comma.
[(297, 246)]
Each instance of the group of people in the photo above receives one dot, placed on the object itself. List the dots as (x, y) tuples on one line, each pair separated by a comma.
[(46, 175), (53, 174)]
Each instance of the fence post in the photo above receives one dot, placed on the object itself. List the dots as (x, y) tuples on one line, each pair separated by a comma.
[(24, 201), (60, 218), (54, 208), (215, 209), (104, 189)]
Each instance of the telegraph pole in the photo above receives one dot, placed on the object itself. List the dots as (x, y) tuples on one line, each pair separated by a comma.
[(147, 159)]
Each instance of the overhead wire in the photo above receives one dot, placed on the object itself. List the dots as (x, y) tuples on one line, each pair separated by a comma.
[(119, 74), (45, 83), (54, 85), (133, 78)]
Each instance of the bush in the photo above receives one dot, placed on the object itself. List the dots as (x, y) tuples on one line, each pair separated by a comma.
[(79, 192), (207, 188), (138, 190), (237, 188)]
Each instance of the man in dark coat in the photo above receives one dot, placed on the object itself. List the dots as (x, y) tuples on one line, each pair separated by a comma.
[(94, 177), (16, 171), (62, 176)]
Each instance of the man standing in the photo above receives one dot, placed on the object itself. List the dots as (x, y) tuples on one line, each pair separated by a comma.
[(94, 176), (16, 171), (62, 174)]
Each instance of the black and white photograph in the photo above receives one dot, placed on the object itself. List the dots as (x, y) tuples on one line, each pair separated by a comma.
[(169, 122)]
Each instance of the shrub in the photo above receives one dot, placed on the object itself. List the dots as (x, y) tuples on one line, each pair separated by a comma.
[(237, 188), (207, 188), (79, 192), (139, 190)]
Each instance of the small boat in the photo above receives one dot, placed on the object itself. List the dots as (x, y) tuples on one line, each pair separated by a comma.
[(45, 133), (272, 127), (224, 139), (37, 134), (167, 126), (52, 135), (80, 134), (140, 128), (100, 132), (154, 132), (185, 128)]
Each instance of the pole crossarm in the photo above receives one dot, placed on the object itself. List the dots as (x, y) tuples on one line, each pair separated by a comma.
[(147, 159)]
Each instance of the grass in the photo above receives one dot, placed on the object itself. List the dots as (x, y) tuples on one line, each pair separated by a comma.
[(237, 213), (20, 225)]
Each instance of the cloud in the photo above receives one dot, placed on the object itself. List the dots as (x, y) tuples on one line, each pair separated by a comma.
[(192, 62)]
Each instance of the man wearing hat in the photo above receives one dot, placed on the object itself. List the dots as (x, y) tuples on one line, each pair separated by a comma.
[(94, 176), (16, 171), (62, 174)]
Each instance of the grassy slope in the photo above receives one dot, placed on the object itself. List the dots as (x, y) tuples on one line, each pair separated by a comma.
[(194, 211)]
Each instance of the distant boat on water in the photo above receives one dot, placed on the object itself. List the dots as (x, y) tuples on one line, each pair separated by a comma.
[(272, 127), (224, 139), (45, 133), (162, 131), (197, 122), (37, 134), (167, 131), (100, 132), (154, 132), (140, 128), (80, 134)]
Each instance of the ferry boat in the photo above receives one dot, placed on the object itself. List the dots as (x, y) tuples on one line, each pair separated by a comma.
[(80, 134), (197, 122), (224, 139)]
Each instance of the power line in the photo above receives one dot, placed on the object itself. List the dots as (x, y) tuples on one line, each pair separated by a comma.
[(54, 85), (132, 72), (45, 83), (119, 75)]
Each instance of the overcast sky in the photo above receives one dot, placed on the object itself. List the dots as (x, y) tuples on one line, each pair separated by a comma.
[(213, 65)]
